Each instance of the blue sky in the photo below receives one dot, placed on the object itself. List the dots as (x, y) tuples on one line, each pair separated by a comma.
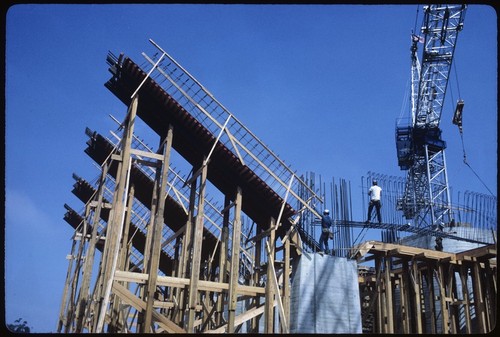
[(321, 85)]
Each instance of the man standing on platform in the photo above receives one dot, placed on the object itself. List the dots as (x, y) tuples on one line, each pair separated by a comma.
[(375, 193), (326, 223)]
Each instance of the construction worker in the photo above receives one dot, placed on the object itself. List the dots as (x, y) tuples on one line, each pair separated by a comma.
[(326, 223), (375, 193)]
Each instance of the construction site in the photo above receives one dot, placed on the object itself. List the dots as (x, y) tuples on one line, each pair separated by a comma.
[(230, 241)]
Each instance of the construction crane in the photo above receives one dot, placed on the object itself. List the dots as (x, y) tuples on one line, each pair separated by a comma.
[(420, 148)]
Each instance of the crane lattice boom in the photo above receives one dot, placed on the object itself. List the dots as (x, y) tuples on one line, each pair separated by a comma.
[(419, 145)]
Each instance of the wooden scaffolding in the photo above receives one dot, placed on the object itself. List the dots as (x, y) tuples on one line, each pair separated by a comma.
[(415, 290), (183, 269)]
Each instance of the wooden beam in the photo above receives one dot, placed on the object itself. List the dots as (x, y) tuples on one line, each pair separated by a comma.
[(240, 319), (235, 258), (224, 249), (158, 198), (479, 300), (418, 301), (270, 293), (444, 305), (115, 222), (196, 260), (255, 281), (286, 282), (178, 282), (388, 295), (465, 295), (283, 321), (127, 297)]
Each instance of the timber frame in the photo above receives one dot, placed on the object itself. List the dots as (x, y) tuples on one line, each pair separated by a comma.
[(415, 290), (180, 296)]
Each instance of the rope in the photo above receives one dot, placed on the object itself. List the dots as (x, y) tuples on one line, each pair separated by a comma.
[(466, 163), (462, 135)]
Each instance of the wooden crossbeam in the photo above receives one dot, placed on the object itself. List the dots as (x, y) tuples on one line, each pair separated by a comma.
[(178, 282), (127, 297), (240, 319)]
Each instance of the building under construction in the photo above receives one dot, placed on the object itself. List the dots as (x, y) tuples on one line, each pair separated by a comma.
[(229, 243)]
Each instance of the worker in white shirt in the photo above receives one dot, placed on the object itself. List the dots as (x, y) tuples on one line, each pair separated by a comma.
[(375, 193)]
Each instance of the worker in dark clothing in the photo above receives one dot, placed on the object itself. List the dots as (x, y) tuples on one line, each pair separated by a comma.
[(375, 193), (326, 223)]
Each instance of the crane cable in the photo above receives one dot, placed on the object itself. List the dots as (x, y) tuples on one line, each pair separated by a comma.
[(458, 121)]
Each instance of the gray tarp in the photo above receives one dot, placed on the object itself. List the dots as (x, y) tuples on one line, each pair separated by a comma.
[(325, 295)]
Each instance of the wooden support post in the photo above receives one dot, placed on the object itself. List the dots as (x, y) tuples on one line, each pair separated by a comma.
[(116, 215), (380, 308), (286, 282), (183, 271), (125, 251), (62, 318), (269, 305), (159, 198), (256, 279), (147, 251), (224, 248), (89, 259), (235, 258), (418, 295), (119, 320), (196, 261), (479, 299), (274, 281), (491, 295), (73, 305), (405, 298), (465, 295), (388, 295), (444, 304), (432, 306), (454, 319)]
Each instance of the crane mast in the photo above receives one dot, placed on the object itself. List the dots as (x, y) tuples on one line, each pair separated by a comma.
[(420, 148)]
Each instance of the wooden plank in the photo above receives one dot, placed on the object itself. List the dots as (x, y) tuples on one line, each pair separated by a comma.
[(283, 321), (146, 154), (262, 235), (240, 319), (129, 298), (377, 247), (480, 253), (178, 282)]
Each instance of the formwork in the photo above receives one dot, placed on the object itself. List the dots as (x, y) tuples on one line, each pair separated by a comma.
[(151, 251), (417, 290)]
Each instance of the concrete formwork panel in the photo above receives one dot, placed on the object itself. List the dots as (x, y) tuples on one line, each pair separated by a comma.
[(325, 295)]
